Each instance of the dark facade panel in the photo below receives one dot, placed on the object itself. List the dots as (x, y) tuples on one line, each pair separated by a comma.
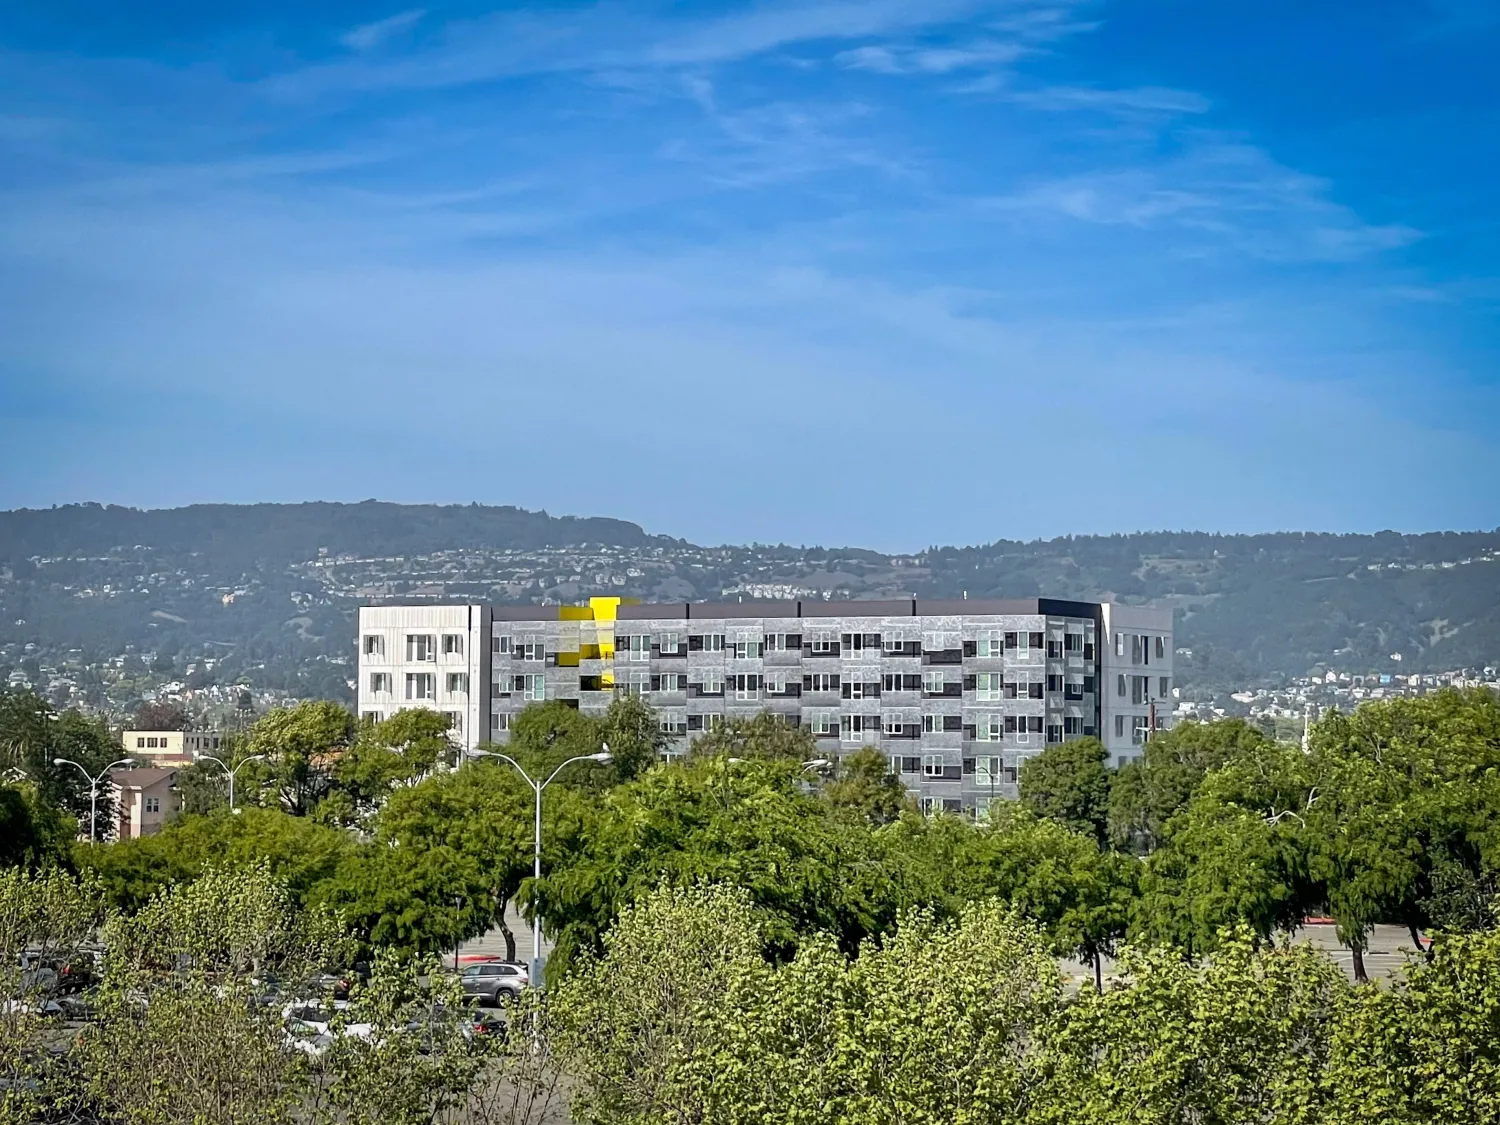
[(524, 613), (663, 611), (708, 611), (902, 607)]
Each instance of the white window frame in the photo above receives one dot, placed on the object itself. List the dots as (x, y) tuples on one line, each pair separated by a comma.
[(823, 723), (990, 644), (930, 678), (453, 644), (932, 767), (712, 684), (499, 722), (987, 770), (989, 687), (457, 683), (893, 724), (421, 647), (374, 644), (637, 647), (534, 686), (669, 644), (989, 728), (713, 642), (823, 646), (421, 685), (676, 680)]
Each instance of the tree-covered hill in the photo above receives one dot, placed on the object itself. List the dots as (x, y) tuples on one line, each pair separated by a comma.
[(272, 588)]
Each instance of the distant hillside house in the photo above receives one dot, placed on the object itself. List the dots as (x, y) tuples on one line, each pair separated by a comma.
[(146, 799), (169, 747)]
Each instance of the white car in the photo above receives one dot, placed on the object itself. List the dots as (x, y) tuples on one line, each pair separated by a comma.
[(309, 1026)]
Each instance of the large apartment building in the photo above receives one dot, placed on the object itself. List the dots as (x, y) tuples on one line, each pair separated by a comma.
[(957, 694)]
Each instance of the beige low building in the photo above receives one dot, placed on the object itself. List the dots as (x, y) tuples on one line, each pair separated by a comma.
[(145, 799), (169, 747)]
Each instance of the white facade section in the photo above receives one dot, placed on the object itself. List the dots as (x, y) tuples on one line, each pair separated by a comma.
[(433, 656), (1135, 668)]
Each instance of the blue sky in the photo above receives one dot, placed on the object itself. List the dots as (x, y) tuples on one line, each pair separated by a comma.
[(875, 272)]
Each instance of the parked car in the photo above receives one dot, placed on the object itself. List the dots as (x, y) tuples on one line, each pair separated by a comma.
[(493, 983)]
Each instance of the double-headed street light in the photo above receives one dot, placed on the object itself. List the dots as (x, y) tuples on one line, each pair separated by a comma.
[(231, 772), (93, 785), (537, 787)]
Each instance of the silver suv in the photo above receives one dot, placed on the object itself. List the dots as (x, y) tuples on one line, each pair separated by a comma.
[(493, 982)]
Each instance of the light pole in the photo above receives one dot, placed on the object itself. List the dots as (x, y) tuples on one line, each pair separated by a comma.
[(93, 785), (231, 772), (535, 973)]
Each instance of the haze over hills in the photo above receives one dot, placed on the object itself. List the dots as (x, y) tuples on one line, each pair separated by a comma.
[(269, 590)]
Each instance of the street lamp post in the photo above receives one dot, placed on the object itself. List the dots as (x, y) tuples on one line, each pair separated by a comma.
[(231, 772), (93, 786), (535, 973)]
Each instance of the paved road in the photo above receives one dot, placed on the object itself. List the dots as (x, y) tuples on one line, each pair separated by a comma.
[(1390, 946)]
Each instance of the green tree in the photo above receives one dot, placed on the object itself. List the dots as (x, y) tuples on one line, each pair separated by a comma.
[(864, 786), (767, 735), (1147, 793), (301, 745), (33, 834), (1068, 782), (1242, 1039)]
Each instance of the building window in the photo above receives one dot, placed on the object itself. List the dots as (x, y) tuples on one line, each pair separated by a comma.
[(820, 681), (1054, 650), (421, 646), (1054, 733), (988, 686), (852, 643), (153, 804), (1165, 684), (932, 765), (634, 647), (932, 724), (500, 646), (1161, 648), (421, 685), (933, 683), (379, 682), (746, 650), (458, 683), (669, 644), (1120, 685), (670, 681), (823, 646), (500, 722), (987, 771), (636, 683), (374, 644), (1072, 725), (533, 687), (531, 648), (372, 717), (455, 721), (746, 686), (892, 725), (141, 741), (1072, 642), (713, 684), (990, 645), (858, 728), (989, 728), (823, 723), (1139, 725), (1119, 726), (707, 642), (453, 644), (673, 723)]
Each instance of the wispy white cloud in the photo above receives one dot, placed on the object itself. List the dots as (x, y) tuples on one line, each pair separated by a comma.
[(368, 36), (1218, 191), (929, 60), (1149, 100)]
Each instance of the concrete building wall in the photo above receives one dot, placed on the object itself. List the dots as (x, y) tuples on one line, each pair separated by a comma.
[(432, 656), (1137, 677), (957, 695)]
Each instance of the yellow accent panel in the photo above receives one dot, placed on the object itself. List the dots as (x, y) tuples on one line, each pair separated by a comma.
[(604, 609), (567, 660), (607, 679), (574, 613), (592, 652)]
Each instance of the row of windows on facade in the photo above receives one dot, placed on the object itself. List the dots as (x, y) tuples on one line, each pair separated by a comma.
[(642, 646), (984, 686), (159, 742)]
